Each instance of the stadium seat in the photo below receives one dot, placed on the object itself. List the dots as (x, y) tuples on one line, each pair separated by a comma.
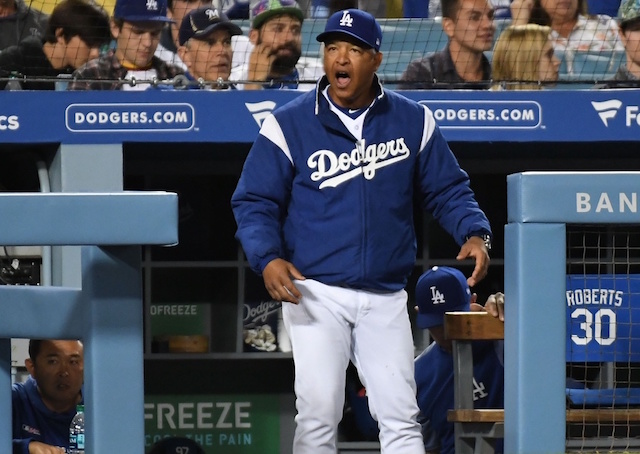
[(589, 66)]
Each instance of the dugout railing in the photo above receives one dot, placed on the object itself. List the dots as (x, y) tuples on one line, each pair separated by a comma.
[(92, 128), (540, 207)]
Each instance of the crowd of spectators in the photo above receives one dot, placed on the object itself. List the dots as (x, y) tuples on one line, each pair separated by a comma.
[(81, 38)]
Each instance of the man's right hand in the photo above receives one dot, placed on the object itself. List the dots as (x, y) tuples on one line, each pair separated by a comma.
[(277, 280), (36, 447), (260, 62)]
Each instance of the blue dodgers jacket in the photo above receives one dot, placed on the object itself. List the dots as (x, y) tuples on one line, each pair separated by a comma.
[(33, 421), (341, 209)]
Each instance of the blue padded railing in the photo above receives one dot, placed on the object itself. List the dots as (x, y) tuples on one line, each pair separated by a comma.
[(106, 312), (539, 206)]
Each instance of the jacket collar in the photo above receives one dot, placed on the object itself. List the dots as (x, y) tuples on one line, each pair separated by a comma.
[(324, 83)]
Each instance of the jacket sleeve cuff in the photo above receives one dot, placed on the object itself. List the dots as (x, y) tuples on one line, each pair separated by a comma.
[(21, 445), (265, 261)]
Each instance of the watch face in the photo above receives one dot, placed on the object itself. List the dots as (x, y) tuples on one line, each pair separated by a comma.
[(487, 241)]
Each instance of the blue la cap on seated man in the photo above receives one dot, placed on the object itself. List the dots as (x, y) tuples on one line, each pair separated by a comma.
[(441, 289)]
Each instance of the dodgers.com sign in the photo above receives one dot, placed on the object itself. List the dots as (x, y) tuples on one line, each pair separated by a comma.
[(486, 114), (123, 117)]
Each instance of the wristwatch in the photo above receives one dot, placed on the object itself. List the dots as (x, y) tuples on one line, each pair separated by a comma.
[(486, 237)]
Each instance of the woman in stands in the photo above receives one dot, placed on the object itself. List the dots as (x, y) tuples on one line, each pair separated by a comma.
[(523, 58), (571, 28)]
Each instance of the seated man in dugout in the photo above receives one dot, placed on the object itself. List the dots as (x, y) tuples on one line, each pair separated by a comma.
[(205, 47), (75, 33), (44, 405), (462, 63), (440, 290)]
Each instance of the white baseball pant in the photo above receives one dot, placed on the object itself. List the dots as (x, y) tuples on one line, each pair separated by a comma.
[(332, 325)]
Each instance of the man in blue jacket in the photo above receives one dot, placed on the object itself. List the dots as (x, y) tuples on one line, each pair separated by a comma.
[(45, 404), (439, 290), (324, 208)]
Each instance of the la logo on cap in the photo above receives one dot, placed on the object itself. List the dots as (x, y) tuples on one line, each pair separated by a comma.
[(152, 5), (437, 297), (347, 20)]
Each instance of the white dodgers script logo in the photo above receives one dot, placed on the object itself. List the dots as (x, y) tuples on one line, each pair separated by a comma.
[(347, 20), (360, 160), (607, 110)]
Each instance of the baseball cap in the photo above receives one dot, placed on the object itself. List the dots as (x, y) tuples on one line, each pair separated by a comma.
[(141, 10), (266, 9), (355, 23), (440, 289), (629, 10), (200, 23)]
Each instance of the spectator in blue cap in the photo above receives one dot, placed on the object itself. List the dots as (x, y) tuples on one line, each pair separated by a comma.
[(205, 46), (136, 26), (439, 290)]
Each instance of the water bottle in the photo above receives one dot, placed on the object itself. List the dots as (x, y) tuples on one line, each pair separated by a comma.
[(76, 432)]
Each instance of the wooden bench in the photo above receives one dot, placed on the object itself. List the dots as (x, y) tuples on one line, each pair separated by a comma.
[(477, 429)]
